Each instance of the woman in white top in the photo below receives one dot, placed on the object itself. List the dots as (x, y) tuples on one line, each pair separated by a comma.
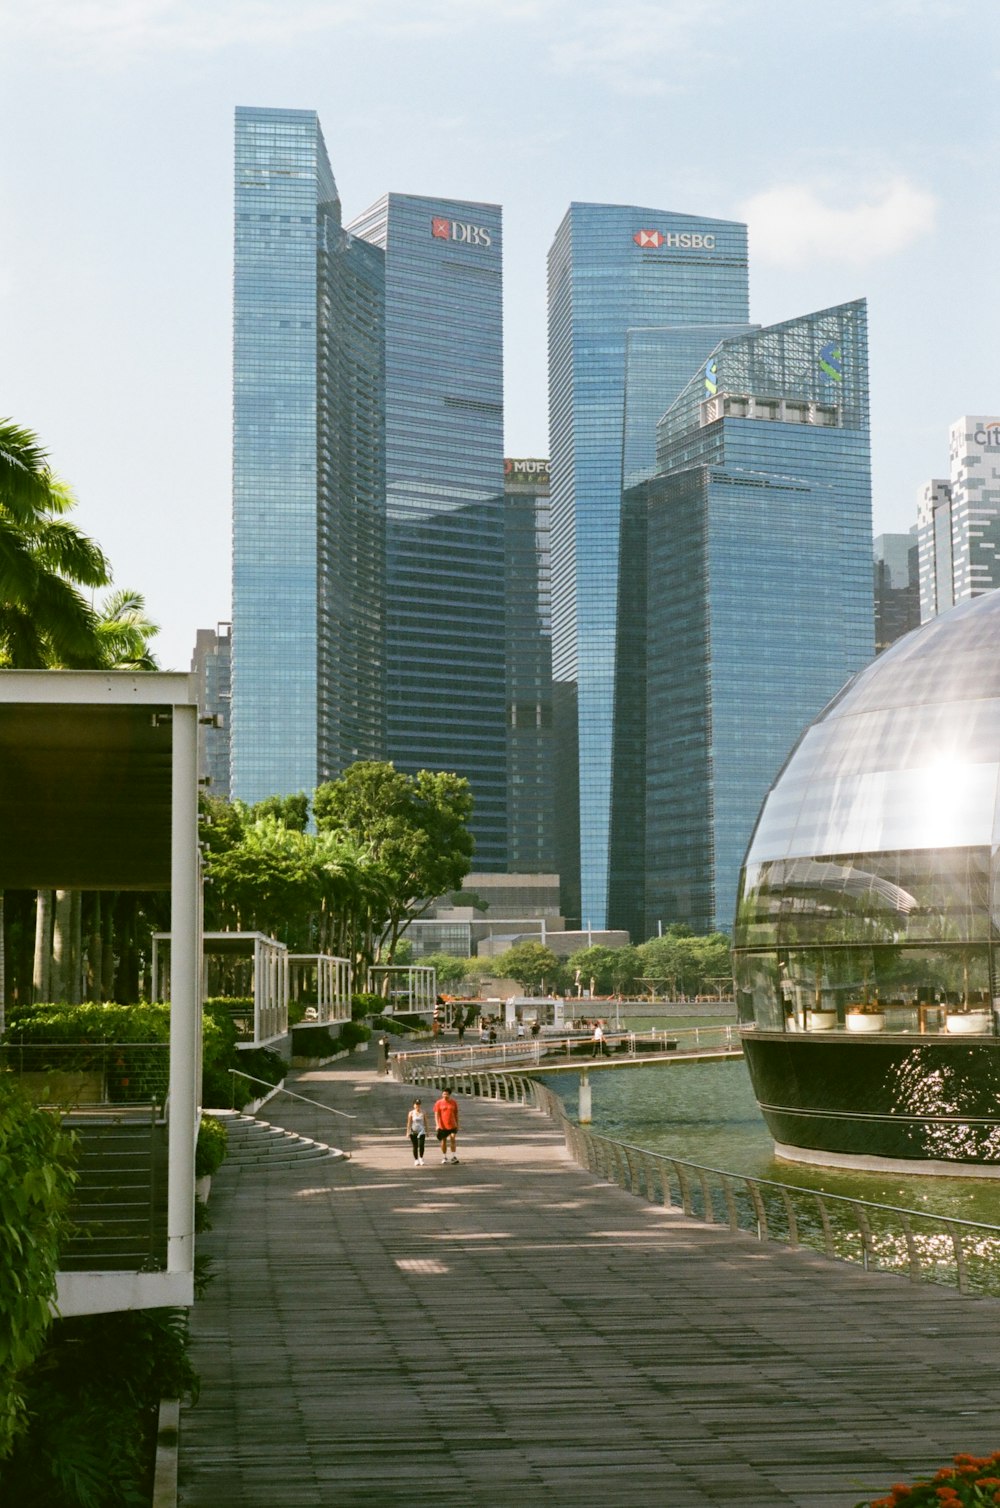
[(416, 1130)]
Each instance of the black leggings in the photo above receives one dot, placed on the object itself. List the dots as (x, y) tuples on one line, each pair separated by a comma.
[(417, 1142)]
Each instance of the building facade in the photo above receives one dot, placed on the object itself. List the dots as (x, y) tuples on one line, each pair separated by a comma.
[(958, 520), (897, 587), (753, 543), (211, 667), (617, 274), (445, 683), (308, 467), (528, 607)]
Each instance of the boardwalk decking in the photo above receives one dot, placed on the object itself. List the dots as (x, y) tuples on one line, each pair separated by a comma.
[(509, 1331)]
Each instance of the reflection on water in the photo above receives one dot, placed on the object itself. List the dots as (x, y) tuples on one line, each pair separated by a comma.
[(706, 1113)]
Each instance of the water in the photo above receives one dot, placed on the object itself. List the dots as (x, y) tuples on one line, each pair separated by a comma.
[(706, 1113)]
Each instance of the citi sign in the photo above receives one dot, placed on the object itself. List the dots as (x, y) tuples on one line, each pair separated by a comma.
[(988, 434), (454, 230), (679, 240)]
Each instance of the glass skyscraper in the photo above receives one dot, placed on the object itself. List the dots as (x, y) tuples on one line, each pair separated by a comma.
[(445, 688), (753, 547), (308, 467), (530, 749), (958, 520), (628, 289)]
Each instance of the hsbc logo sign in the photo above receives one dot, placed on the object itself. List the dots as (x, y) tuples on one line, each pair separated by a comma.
[(679, 241), (455, 230)]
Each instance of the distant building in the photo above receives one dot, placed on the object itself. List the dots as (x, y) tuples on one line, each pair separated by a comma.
[(445, 690), (896, 583), (958, 520), (211, 666), (619, 275), (308, 467), (528, 590), (752, 545)]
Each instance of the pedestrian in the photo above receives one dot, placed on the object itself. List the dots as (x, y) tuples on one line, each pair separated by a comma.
[(416, 1130), (597, 1051), (492, 1038), (536, 1027), (446, 1123)]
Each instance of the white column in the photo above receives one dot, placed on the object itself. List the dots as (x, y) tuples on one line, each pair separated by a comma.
[(185, 990), (583, 1111)]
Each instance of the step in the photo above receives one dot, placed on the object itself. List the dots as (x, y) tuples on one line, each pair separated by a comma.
[(257, 1143)]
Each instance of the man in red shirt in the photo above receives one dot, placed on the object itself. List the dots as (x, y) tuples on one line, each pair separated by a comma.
[(446, 1121)]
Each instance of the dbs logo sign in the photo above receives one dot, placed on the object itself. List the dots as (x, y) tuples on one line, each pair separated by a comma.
[(454, 230)]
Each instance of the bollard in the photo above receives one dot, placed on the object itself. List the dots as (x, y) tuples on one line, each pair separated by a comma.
[(583, 1110)]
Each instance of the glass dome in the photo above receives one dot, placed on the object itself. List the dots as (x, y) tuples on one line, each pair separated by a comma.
[(869, 895)]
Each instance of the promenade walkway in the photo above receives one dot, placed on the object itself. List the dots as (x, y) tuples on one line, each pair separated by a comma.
[(509, 1331)]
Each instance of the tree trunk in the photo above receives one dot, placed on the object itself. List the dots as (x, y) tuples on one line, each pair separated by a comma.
[(62, 945), (74, 982), (106, 989), (41, 974)]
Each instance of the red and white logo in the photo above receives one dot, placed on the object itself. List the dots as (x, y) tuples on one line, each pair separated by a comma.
[(441, 228), (649, 238)]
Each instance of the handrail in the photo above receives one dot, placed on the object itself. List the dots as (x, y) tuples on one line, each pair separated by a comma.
[(538, 1049), (964, 1254), (280, 1089)]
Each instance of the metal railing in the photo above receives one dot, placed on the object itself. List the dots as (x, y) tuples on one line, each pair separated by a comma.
[(535, 1051), (74, 1074), (924, 1247), (305, 1122)]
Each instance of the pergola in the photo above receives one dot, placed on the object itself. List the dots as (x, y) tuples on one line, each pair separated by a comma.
[(99, 791), (324, 982), (264, 967), (414, 984)]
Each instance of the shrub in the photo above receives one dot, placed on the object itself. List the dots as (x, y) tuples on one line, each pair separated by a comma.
[(211, 1147), (93, 1397), (972, 1480), (352, 1033), (36, 1182), (366, 1004)]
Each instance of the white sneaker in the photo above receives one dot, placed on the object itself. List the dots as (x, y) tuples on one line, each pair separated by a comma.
[(453, 1157), (444, 1159), (420, 1162)]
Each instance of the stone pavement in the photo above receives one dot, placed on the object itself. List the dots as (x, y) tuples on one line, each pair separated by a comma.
[(510, 1331)]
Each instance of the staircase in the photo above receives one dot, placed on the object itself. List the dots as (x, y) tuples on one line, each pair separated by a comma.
[(256, 1143)]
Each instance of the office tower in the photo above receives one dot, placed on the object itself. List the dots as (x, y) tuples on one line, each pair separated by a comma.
[(752, 545), (897, 587), (958, 520), (445, 694), (211, 666), (308, 467), (628, 288), (528, 591)]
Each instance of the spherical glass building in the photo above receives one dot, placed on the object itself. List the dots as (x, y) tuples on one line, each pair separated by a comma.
[(867, 936)]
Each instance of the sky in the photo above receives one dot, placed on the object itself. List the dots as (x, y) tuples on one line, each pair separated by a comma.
[(855, 139)]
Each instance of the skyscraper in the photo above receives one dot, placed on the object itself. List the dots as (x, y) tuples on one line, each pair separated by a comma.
[(211, 667), (752, 545), (308, 467), (897, 590), (445, 692), (528, 593), (958, 520), (618, 277)]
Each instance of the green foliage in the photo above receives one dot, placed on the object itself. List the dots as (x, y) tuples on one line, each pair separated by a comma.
[(93, 1021), (36, 1183), (533, 966), (365, 1004), (92, 1397), (352, 1033), (450, 970), (414, 829), (679, 963), (290, 811), (211, 1147)]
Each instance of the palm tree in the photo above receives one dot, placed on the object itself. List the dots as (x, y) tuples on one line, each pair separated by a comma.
[(45, 621), (124, 632)]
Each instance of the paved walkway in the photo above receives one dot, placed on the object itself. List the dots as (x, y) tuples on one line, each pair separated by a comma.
[(510, 1331)]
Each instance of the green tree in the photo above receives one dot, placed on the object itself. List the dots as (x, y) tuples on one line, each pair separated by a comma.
[(596, 966), (534, 966), (414, 827), (44, 559), (450, 970), (124, 632)]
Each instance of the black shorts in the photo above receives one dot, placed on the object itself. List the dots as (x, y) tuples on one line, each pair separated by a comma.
[(443, 1135)]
